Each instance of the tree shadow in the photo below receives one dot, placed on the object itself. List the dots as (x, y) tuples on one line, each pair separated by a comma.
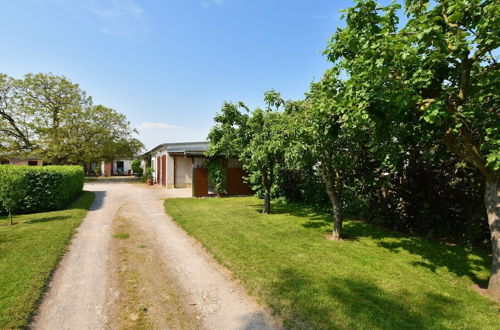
[(316, 217), (330, 302), (257, 321), (47, 219), (458, 259), (98, 200)]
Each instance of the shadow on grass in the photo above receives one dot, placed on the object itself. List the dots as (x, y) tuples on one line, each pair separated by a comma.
[(456, 258), (48, 219), (354, 303), (316, 217)]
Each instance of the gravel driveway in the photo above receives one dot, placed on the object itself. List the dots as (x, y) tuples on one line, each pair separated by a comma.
[(88, 290)]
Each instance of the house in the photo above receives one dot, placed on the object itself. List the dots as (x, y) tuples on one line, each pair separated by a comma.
[(29, 160), (184, 165), (117, 167)]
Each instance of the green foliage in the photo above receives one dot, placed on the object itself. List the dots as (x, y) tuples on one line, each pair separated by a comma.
[(12, 192), (136, 167), (39, 188), (256, 138), (149, 172), (52, 117), (436, 75), (217, 175)]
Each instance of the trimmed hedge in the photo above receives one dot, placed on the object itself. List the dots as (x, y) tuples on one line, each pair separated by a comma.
[(46, 188)]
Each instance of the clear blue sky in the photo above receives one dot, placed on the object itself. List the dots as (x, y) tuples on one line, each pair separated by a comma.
[(169, 65)]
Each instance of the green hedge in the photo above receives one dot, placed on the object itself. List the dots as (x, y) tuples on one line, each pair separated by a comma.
[(44, 188)]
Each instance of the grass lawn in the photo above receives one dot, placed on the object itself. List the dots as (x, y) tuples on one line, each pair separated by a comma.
[(376, 279), (29, 252)]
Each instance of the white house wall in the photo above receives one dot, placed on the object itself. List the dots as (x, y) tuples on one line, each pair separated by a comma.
[(127, 166)]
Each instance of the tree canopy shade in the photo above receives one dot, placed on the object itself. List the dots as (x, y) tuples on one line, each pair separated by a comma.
[(438, 67), (55, 119)]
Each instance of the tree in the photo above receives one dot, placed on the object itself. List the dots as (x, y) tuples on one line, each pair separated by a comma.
[(52, 117), (256, 139), (14, 129), (51, 102), (323, 135), (440, 66)]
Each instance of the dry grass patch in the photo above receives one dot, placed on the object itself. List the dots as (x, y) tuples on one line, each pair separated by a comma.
[(143, 294)]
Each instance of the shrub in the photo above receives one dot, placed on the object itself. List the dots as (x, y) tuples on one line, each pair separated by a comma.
[(136, 167), (217, 175), (40, 189), (11, 192)]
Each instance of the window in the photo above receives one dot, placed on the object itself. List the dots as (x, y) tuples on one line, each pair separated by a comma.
[(4, 162), (32, 163)]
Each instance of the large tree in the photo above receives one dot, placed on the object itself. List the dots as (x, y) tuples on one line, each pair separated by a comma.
[(440, 65), (15, 131), (52, 117), (324, 135)]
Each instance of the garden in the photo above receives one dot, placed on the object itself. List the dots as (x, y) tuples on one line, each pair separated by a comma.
[(373, 279)]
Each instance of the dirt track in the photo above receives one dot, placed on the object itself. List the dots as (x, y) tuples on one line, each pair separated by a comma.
[(154, 276)]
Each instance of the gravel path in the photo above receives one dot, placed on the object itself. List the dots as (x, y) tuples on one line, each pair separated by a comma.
[(78, 296)]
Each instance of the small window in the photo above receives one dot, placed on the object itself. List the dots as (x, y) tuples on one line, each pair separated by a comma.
[(32, 163), (4, 162)]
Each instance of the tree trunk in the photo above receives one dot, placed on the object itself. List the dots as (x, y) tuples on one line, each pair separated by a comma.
[(492, 203), (337, 209), (267, 182), (267, 201)]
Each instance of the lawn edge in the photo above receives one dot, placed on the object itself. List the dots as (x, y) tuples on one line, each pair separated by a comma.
[(43, 292), (276, 318)]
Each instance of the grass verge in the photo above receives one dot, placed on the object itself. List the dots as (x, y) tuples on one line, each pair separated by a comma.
[(376, 279), (29, 252)]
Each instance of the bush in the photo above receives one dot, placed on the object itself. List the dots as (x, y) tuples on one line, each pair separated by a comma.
[(41, 189), (136, 167), (217, 175)]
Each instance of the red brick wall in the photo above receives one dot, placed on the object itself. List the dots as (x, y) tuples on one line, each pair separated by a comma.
[(234, 182), (200, 182)]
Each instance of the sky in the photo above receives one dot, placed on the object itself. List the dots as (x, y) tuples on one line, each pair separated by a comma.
[(169, 65)]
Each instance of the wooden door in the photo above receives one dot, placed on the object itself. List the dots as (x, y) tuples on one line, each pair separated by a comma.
[(158, 167), (164, 170)]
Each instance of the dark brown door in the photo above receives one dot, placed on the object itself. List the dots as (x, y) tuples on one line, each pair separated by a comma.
[(158, 163), (164, 170)]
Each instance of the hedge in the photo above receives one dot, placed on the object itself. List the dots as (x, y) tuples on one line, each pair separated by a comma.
[(46, 188)]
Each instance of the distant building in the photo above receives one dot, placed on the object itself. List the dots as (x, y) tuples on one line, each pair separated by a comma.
[(184, 165), (117, 167), (28, 160)]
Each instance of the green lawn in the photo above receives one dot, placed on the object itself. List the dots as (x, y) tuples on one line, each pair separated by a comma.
[(29, 252), (376, 279)]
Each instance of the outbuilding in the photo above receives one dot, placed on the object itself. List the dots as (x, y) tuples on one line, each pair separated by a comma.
[(184, 165)]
